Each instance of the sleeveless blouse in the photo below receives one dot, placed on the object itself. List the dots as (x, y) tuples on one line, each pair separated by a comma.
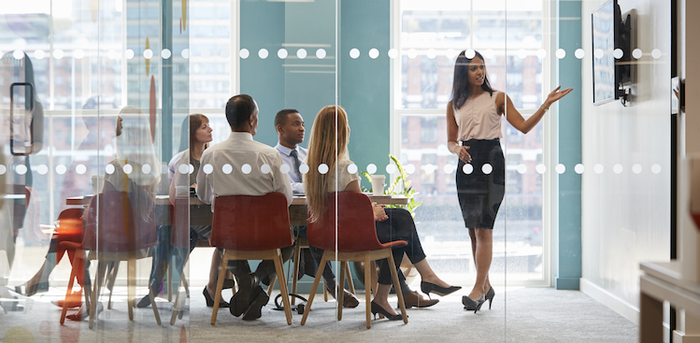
[(478, 118)]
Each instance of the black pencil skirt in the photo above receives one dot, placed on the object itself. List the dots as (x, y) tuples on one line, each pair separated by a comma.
[(481, 191)]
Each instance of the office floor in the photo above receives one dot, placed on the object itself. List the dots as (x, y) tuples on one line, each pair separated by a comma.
[(522, 315)]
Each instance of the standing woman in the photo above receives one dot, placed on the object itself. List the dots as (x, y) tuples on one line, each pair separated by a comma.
[(474, 119)]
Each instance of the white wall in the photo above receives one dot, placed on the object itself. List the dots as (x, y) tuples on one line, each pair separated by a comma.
[(626, 216)]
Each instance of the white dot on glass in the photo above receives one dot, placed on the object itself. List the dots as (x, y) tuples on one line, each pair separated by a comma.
[(371, 168), (522, 54), (18, 54), (182, 169), (224, 53), (227, 169), (129, 54), (470, 53), (246, 169), (301, 54), (598, 53), (656, 169), (560, 53), (450, 54), (263, 53), (127, 169), (244, 53), (468, 168), (206, 53), (320, 54), (522, 169), (39, 54), (560, 168), (617, 169), (185, 53), (111, 54), (540, 168), (21, 169), (80, 169), (148, 54), (429, 169), (58, 54), (190, 169), (598, 169), (354, 53), (282, 53), (579, 168), (541, 53), (146, 168), (489, 53), (109, 169), (79, 54), (618, 53), (390, 168), (165, 54), (448, 168), (636, 168), (431, 53), (3, 169), (656, 53), (265, 168), (410, 169), (208, 169), (412, 53), (284, 169), (304, 168), (373, 53), (637, 53), (487, 168), (352, 169), (393, 53), (42, 169), (61, 169), (323, 168)]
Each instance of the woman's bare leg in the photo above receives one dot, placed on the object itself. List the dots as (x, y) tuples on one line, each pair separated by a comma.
[(472, 235), (428, 275), (214, 272), (382, 298), (483, 255)]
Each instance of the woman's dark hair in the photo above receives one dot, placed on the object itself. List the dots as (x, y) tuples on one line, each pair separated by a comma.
[(460, 83)]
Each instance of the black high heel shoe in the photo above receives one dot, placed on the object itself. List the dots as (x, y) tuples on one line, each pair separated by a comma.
[(378, 309), (34, 288), (427, 287), (471, 304), (489, 296), (210, 300)]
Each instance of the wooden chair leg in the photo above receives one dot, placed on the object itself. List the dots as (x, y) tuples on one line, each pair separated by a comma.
[(219, 287), (339, 294), (283, 286), (297, 256), (397, 287), (313, 290), (176, 304), (131, 286), (69, 290), (101, 267), (112, 281), (368, 301), (351, 284)]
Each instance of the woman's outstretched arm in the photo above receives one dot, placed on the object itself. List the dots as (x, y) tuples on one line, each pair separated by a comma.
[(505, 106)]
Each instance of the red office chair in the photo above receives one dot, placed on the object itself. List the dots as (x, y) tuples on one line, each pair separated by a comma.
[(113, 234), (356, 240), (252, 228)]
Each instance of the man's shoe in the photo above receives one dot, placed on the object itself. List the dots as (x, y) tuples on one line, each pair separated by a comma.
[(240, 301), (260, 299), (413, 299), (350, 300)]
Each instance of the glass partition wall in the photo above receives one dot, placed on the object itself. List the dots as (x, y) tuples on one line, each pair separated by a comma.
[(97, 97)]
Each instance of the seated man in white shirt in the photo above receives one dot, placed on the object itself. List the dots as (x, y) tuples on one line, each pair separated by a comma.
[(290, 133), (238, 150)]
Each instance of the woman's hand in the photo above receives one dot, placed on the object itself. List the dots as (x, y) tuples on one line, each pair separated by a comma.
[(379, 214), (464, 155), (555, 95)]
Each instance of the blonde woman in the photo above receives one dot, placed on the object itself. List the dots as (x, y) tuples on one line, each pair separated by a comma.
[(328, 145)]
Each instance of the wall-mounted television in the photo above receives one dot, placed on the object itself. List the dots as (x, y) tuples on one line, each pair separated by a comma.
[(611, 52)]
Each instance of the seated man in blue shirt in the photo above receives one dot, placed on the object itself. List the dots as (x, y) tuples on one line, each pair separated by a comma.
[(290, 132)]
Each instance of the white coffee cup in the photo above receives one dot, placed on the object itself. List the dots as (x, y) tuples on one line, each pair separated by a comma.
[(378, 184)]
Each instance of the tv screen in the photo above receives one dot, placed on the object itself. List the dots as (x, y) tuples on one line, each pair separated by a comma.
[(603, 23)]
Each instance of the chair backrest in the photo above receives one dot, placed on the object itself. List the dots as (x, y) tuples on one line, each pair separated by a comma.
[(354, 221), (69, 225), (251, 223), (112, 227)]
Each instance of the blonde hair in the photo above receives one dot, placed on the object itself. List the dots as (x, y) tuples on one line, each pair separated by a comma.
[(329, 141)]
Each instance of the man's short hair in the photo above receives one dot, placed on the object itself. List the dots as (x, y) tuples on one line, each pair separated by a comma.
[(239, 109), (281, 116)]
